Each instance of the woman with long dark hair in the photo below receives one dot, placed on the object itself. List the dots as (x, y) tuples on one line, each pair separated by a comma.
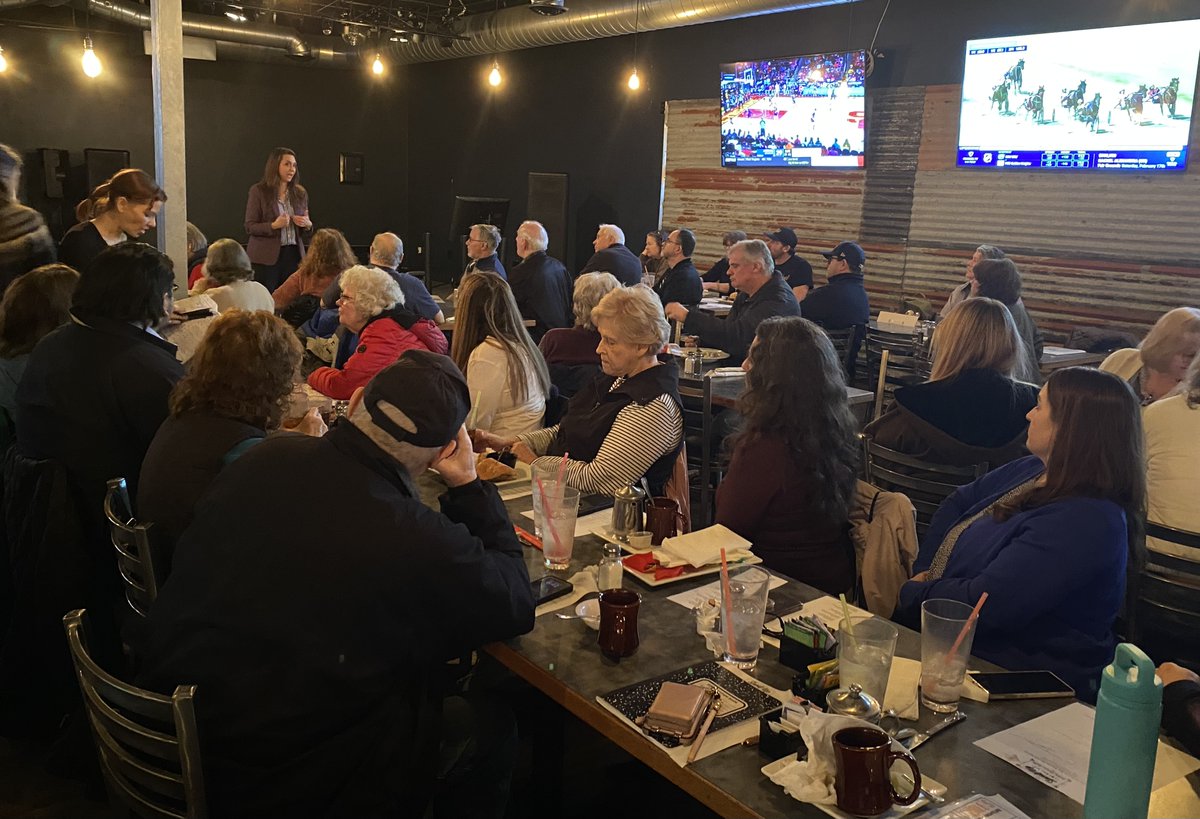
[(33, 305), (795, 460), (122, 207), (505, 371), (1045, 536), (277, 219)]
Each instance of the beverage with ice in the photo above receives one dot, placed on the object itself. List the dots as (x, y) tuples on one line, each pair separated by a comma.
[(743, 611), (942, 623), (865, 655), (555, 507), (941, 682)]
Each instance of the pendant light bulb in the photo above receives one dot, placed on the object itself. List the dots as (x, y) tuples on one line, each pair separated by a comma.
[(377, 66), (3, 61), (634, 82), (90, 62), (494, 78)]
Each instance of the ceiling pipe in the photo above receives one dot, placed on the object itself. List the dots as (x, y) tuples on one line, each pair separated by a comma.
[(324, 57), (213, 28), (515, 28)]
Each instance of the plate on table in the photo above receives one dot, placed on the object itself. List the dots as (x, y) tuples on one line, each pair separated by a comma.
[(706, 353), (649, 579)]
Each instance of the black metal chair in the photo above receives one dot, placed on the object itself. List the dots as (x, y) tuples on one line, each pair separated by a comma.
[(696, 396), (148, 744), (899, 368), (1165, 616), (132, 542), (846, 341), (925, 483)]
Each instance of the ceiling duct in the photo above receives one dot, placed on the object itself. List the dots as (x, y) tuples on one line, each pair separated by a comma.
[(547, 8), (514, 28)]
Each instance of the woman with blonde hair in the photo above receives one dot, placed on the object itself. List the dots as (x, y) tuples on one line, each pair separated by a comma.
[(123, 207), (327, 256), (382, 328), (971, 410), (1172, 428), (505, 372), (570, 353), (235, 392), (1156, 366), (627, 422)]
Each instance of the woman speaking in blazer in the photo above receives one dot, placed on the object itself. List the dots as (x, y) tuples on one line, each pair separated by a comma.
[(277, 220)]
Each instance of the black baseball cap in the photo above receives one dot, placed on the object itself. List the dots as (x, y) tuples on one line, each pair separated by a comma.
[(783, 235), (429, 390), (854, 255)]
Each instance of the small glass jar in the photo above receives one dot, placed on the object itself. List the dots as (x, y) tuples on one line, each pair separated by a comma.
[(611, 571)]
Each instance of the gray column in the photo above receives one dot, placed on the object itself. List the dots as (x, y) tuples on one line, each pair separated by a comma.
[(170, 167)]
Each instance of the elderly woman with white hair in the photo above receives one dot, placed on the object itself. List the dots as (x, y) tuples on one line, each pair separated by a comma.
[(372, 307), (627, 422), (571, 353), (229, 279), (1156, 366)]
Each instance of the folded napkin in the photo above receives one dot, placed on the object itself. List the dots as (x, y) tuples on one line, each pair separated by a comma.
[(645, 563), (702, 548), (903, 681), (812, 779), (726, 372)]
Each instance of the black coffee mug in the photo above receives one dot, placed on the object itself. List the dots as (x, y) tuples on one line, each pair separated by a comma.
[(864, 758)]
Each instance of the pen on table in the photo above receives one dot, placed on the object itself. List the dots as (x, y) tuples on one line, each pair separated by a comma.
[(527, 538), (712, 712)]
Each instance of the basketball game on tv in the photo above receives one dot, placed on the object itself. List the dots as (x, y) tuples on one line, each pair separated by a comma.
[(1102, 99), (796, 112)]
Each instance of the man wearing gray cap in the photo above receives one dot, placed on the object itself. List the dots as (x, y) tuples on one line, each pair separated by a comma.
[(314, 617)]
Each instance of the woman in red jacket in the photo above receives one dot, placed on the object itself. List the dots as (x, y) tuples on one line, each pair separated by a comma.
[(372, 307)]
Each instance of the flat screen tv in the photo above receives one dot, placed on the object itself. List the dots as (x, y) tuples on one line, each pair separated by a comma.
[(794, 112), (1101, 99)]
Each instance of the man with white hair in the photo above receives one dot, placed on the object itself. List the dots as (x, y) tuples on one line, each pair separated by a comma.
[(482, 243), (612, 256), (762, 293), (540, 283), (318, 639)]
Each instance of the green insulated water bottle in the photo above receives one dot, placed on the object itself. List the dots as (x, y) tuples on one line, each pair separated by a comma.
[(1125, 740)]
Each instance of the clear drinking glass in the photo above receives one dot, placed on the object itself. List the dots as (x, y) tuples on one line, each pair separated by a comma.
[(559, 506), (545, 476), (866, 658), (745, 610), (942, 675)]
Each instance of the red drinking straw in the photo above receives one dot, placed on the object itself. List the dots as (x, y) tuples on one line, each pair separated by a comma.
[(962, 635), (546, 519), (727, 606), (562, 468)]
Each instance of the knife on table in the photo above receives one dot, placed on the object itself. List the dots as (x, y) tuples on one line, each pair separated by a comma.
[(923, 736)]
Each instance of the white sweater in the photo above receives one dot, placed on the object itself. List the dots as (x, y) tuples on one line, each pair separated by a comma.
[(494, 407), (1172, 467)]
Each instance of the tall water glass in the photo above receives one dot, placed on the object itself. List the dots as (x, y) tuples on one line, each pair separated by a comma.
[(942, 675), (543, 476), (742, 615), (866, 657), (558, 505)]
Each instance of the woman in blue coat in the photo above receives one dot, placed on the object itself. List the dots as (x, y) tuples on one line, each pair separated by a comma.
[(1045, 536)]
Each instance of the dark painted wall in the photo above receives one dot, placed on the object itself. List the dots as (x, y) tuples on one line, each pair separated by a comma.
[(566, 108), (236, 111)]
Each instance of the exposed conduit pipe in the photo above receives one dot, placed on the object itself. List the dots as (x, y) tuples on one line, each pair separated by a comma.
[(515, 28)]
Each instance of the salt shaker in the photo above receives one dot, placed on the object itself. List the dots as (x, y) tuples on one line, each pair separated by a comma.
[(611, 570)]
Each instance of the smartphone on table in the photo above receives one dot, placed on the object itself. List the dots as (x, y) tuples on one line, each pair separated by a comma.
[(1022, 685), (548, 588)]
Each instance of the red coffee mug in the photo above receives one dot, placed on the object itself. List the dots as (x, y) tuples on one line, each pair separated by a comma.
[(864, 758), (663, 519), (618, 623)]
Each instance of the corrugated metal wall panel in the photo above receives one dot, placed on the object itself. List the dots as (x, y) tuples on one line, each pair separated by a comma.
[(1094, 249)]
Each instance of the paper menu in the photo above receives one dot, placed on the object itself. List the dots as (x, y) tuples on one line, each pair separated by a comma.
[(1054, 749), (829, 610)]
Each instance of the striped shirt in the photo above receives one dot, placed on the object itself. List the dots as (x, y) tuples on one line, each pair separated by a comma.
[(640, 435)]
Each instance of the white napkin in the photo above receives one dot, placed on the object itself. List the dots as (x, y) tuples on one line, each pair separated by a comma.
[(812, 779), (903, 681), (726, 372), (702, 548)]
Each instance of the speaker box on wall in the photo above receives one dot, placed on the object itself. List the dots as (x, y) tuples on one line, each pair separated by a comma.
[(548, 204), (101, 163), (55, 163)]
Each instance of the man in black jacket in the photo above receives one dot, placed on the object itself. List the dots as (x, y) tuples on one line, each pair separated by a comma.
[(315, 635), (612, 256), (483, 242), (797, 272), (540, 284), (762, 293), (681, 282), (842, 302)]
